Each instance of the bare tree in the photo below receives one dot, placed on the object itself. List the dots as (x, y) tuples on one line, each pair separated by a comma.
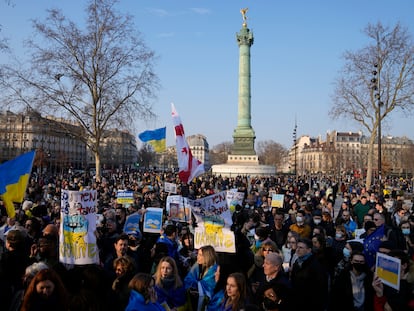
[(391, 56), (219, 153), (100, 76), (146, 156), (271, 153)]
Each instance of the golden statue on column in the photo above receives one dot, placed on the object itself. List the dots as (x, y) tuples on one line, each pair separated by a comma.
[(243, 13)]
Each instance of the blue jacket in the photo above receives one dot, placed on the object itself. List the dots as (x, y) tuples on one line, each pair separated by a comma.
[(172, 246), (207, 282), (174, 297), (137, 303)]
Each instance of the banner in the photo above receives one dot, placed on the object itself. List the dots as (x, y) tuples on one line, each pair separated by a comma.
[(213, 222), (77, 243)]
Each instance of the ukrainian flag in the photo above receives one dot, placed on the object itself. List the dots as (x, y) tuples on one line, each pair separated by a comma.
[(155, 138), (14, 176)]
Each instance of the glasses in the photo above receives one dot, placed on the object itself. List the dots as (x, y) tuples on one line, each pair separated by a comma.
[(268, 250), (377, 219)]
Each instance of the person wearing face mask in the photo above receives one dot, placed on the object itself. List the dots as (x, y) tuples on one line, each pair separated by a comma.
[(404, 237), (304, 230), (349, 224), (344, 263), (339, 243), (352, 288), (316, 218)]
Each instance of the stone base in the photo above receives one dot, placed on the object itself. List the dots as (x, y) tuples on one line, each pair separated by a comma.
[(232, 170), (243, 159)]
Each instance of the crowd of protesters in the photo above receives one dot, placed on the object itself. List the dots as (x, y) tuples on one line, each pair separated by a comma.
[(303, 255)]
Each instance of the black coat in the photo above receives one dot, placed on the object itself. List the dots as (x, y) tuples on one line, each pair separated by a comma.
[(342, 298), (310, 285)]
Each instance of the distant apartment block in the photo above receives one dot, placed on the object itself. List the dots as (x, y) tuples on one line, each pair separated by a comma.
[(347, 153)]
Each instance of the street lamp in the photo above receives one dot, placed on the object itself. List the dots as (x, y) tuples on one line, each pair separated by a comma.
[(376, 88), (294, 146)]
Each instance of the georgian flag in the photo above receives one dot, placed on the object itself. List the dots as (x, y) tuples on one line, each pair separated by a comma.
[(189, 167)]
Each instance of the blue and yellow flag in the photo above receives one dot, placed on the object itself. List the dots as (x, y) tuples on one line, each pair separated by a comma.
[(14, 176), (155, 138)]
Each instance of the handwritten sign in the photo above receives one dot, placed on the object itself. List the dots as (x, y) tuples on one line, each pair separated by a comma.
[(214, 221), (77, 243)]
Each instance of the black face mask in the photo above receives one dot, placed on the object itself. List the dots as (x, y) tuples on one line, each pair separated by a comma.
[(360, 267), (269, 304)]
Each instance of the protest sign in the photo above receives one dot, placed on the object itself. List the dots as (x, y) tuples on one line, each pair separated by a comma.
[(176, 210), (277, 200), (125, 197), (388, 270), (170, 187), (132, 223), (234, 198), (78, 224), (153, 220), (214, 221)]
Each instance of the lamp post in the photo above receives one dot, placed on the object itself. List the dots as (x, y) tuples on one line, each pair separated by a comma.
[(295, 154), (376, 88)]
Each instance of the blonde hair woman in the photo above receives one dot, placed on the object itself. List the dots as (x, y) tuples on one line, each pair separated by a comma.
[(168, 284)]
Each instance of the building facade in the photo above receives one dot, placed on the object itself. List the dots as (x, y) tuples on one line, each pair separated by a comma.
[(346, 153), (200, 149), (57, 144)]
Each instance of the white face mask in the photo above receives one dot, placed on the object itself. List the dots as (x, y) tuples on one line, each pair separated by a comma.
[(317, 221), (338, 235), (299, 218)]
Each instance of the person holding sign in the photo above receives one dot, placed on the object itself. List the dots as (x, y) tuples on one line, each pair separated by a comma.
[(389, 298), (352, 288)]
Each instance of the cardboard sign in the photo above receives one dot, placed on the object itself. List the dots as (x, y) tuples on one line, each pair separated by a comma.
[(388, 270)]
